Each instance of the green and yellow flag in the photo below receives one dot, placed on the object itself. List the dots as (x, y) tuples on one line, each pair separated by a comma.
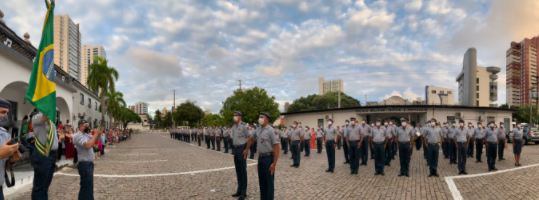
[(41, 91)]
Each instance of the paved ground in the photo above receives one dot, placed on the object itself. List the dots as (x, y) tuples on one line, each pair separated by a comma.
[(153, 166)]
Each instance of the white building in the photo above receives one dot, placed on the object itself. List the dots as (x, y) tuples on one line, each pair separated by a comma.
[(86, 106), (88, 54), (329, 86), (439, 95), (16, 58), (477, 85), (140, 108)]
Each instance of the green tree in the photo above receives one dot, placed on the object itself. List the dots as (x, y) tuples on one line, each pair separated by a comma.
[(250, 103), (321, 102), (157, 119), (213, 120), (101, 78), (129, 116), (188, 112), (114, 102), (167, 121)]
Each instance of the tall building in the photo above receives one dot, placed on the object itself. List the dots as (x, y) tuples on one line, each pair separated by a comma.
[(67, 45), (521, 69), (140, 108), (439, 95), (207, 111), (477, 85), (286, 106), (88, 54), (165, 112), (329, 86)]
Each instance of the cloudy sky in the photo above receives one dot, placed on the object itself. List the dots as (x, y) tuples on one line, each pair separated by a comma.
[(202, 48)]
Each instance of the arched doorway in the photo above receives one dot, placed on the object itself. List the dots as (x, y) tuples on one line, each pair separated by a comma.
[(62, 110)]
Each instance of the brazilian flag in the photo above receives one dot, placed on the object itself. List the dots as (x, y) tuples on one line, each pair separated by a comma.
[(41, 91)]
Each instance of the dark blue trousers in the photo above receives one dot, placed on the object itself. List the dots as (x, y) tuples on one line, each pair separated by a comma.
[(86, 172), (307, 147), (379, 158), (241, 169), (285, 145), (295, 152), (462, 156), (479, 149), (389, 153), (253, 150), (434, 151), (345, 149), (452, 151), (226, 144), (491, 155), (470, 149), (330, 151), (364, 150), (43, 173), (354, 156), (319, 145), (266, 180), (199, 140), (501, 147), (404, 157), (208, 141)]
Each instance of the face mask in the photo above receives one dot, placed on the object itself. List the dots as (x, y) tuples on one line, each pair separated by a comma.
[(86, 129), (329, 123), (501, 126), (378, 124), (236, 118), (461, 124), (454, 125), (386, 123), (390, 123), (518, 126), (363, 122), (433, 123), (479, 126), (4, 121), (492, 125), (347, 123), (295, 126), (403, 123)]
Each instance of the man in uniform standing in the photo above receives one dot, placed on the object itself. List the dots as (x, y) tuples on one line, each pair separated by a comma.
[(268, 142), (218, 137), (319, 134), (453, 142), (346, 148), (84, 143), (253, 145), (207, 135), (226, 138), (419, 141), (471, 144), (479, 136), (296, 138), (241, 143), (307, 141), (330, 136), (284, 138), (501, 141), (461, 136), (491, 140), (404, 136), (445, 144), (365, 131), (389, 148), (380, 140), (354, 138), (433, 136)]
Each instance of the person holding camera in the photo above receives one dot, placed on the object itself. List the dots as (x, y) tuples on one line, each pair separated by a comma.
[(84, 143), (9, 154)]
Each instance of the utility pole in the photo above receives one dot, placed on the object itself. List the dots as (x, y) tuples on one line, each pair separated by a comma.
[(339, 99), (173, 108), (366, 100)]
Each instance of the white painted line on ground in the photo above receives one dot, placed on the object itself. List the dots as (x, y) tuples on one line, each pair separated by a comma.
[(142, 161), (455, 191), (152, 175)]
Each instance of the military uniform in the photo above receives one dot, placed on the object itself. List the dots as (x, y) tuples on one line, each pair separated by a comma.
[(491, 139), (319, 133), (266, 139), (296, 137), (307, 141), (207, 135), (218, 138), (330, 136), (354, 137), (452, 145), (379, 139), (404, 136), (346, 148), (225, 138), (284, 137), (501, 143), (389, 148), (461, 136), (470, 144), (240, 136), (445, 144), (433, 135), (253, 145), (479, 135), (365, 131)]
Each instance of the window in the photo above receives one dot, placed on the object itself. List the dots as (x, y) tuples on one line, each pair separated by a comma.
[(449, 92), (433, 92), (321, 122), (477, 80), (477, 95), (477, 88), (95, 105), (477, 103), (89, 103), (81, 99), (441, 92)]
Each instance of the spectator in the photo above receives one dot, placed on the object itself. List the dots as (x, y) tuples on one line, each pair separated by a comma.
[(70, 149), (24, 128)]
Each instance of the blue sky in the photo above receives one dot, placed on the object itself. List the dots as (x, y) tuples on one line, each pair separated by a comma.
[(202, 48)]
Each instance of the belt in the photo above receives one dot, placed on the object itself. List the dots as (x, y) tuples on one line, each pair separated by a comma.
[(306, 139), (241, 145), (461, 142), (433, 143), (404, 142), (491, 142), (379, 142), (319, 138), (86, 162), (353, 140), (330, 140), (479, 138), (265, 154), (53, 152), (295, 140)]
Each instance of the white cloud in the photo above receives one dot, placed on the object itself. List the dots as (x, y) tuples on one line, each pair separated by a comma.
[(413, 6)]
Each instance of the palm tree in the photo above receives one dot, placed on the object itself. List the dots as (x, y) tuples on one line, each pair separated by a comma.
[(115, 102), (101, 78)]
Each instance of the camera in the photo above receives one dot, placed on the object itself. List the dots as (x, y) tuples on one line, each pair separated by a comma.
[(22, 149)]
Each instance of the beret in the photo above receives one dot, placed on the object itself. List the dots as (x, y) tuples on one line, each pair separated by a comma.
[(4, 103), (352, 118), (378, 120), (238, 112), (266, 114), (347, 120), (461, 121)]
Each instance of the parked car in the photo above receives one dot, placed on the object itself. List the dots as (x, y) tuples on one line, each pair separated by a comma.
[(531, 134)]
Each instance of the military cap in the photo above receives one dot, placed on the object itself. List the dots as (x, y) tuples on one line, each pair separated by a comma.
[(4, 103), (266, 114), (238, 112)]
